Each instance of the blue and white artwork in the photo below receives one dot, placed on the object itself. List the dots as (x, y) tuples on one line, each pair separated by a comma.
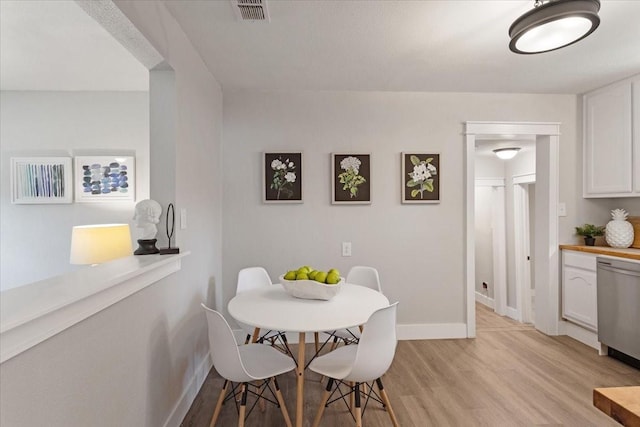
[(104, 178), (38, 180)]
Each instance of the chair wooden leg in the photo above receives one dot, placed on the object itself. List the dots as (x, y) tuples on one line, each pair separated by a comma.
[(387, 403), (358, 409), (316, 338), (283, 407), (323, 403), (243, 405), (216, 411), (256, 335)]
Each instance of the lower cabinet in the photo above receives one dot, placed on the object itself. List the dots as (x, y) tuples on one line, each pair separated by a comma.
[(579, 289)]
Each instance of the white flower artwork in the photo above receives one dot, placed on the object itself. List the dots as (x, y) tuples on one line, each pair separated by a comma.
[(282, 182), (420, 178)]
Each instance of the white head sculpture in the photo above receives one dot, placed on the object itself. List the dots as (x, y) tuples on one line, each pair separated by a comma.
[(147, 216)]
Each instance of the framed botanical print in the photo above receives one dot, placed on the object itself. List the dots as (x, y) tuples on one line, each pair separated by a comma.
[(282, 177), (350, 178), (420, 178)]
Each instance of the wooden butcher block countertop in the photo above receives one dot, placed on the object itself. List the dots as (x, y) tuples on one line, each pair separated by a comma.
[(620, 403), (630, 253)]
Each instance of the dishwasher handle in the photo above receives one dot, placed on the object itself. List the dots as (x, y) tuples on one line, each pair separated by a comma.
[(607, 266)]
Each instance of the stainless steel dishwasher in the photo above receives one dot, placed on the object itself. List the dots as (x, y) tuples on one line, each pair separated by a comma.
[(619, 308)]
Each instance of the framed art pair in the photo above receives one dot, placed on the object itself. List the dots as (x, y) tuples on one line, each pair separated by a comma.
[(350, 177), (49, 180)]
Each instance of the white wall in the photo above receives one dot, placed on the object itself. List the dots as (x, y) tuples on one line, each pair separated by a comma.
[(141, 361), (418, 249), (36, 238), (484, 240), (485, 167)]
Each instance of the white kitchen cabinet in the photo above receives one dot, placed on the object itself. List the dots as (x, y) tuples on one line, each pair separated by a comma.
[(579, 289), (612, 140)]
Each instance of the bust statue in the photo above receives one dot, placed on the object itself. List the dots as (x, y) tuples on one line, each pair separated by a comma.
[(147, 215)]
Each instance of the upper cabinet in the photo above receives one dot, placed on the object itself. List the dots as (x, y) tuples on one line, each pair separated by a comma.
[(612, 140)]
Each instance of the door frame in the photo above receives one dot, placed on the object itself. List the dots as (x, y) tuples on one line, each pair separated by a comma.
[(546, 256), (522, 245)]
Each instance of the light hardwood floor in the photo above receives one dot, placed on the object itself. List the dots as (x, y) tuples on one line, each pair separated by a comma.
[(510, 375)]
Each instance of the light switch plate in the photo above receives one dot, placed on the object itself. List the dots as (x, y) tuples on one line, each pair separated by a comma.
[(183, 219), (562, 209), (346, 248)]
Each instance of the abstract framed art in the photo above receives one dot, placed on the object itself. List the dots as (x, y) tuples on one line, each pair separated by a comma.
[(350, 178), (41, 180), (420, 178), (104, 178), (282, 177)]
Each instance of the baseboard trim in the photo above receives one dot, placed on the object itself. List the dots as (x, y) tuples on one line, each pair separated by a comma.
[(512, 313), (189, 393), (431, 331), (581, 334), (485, 300)]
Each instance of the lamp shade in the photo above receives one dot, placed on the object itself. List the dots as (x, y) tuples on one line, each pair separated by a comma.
[(95, 244), (554, 24), (506, 153)]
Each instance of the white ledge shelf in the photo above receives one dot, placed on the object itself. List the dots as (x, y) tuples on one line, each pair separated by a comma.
[(33, 313)]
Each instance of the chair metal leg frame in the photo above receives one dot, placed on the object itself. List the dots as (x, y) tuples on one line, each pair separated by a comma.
[(281, 336), (244, 389), (350, 340), (318, 350), (356, 392)]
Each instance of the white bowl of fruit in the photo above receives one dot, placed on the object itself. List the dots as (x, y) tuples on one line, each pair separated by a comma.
[(307, 283)]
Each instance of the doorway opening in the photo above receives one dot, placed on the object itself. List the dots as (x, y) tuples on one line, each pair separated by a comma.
[(504, 196), (544, 257)]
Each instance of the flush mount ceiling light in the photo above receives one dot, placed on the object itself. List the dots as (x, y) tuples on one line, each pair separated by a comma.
[(553, 24), (506, 153)]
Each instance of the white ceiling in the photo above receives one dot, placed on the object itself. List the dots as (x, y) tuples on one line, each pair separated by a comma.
[(453, 45), (55, 45)]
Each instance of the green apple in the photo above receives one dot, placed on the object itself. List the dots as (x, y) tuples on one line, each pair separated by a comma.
[(313, 274), (333, 278), (302, 276), (304, 270), (321, 276), (334, 271), (291, 275)]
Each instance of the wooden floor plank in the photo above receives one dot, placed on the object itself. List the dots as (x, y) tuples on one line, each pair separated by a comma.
[(510, 375)]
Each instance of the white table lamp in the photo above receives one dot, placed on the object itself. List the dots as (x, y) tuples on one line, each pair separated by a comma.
[(95, 244)]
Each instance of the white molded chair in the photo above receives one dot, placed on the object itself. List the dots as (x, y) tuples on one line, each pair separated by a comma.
[(363, 276), (243, 365), (362, 363), (253, 278)]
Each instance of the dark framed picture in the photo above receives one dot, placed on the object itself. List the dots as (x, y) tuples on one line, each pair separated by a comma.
[(282, 177), (420, 178), (350, 178)]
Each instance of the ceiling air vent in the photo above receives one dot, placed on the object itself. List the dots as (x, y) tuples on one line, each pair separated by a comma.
[(251, 10)]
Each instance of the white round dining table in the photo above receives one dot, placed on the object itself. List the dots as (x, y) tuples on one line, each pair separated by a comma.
[(272, 308)]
